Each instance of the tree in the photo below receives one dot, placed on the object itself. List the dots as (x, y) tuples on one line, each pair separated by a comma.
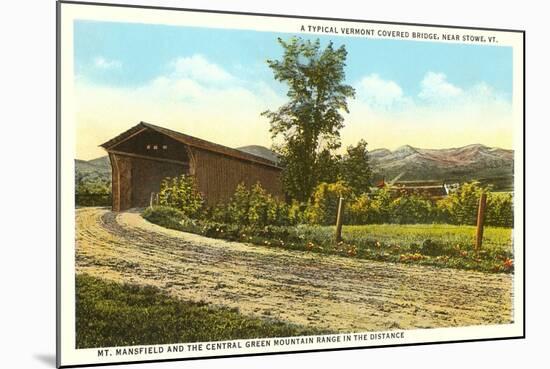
[(311, 120), (356, 170), (328, 166)]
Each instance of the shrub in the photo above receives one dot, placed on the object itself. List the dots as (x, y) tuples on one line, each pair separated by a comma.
[(218, 213), (262, 209), (432, 248), (296, 213), (324, 206), (380, 207), (411, 209), (165, 216), (360, 211), (181, 193), (460, 207), (239, 205), (254, 207), (500, 210)]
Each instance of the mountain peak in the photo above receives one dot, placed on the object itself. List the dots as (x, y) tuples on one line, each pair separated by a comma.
[(475, 146), (260, 151), (405, 150)]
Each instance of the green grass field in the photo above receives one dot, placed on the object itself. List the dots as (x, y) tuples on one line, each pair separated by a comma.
[(111, 314), (494, 238)]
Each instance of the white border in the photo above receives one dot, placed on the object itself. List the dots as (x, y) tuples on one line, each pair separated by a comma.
[(70, 12)]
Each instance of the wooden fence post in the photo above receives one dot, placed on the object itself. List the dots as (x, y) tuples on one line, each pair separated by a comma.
[(151, 200), (480, 220), (339, 220)]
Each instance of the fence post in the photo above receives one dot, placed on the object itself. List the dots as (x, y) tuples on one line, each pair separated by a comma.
[(339, 220), (151, 200), (480, 220)]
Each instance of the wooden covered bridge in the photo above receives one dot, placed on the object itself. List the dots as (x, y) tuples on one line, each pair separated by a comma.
[(145, 154)]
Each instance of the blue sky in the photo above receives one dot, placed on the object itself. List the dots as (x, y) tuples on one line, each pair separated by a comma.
[(396, 81)]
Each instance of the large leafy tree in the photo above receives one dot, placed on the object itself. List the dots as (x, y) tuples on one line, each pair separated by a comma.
[(328, 166), (309, 123), (356, 170)]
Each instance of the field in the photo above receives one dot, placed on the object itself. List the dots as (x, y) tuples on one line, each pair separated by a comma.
[(495, 239), (433, 244)]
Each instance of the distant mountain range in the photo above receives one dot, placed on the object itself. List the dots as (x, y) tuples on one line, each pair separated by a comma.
[(463, 163)]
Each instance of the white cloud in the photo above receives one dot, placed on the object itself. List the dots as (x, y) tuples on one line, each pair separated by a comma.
[(380, 93), (436, 88), (198, 68), (103, 63)]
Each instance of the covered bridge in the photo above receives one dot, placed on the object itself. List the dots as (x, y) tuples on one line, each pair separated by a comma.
[(144, 155)]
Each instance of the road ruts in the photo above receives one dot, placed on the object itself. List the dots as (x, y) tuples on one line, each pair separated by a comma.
[(328, 292)]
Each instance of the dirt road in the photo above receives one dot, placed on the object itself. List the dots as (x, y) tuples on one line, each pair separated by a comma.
[(329, 292)]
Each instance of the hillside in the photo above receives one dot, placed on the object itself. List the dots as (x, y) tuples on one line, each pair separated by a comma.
[(93, 176), (462, 163), (260, 151), (99, 165)]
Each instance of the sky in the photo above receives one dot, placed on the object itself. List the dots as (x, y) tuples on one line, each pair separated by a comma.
[(214, 83)]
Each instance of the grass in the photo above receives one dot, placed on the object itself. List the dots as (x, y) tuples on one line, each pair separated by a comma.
[(110, 314), (441, 245), (494, 238)]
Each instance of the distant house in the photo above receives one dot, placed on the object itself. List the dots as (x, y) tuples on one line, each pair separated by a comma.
[(145, 154), (430, 189)]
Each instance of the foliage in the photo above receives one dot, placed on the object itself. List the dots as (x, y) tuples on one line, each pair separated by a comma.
[(387, 206), (181, 193), (109, 314), (255, 207), (239, 205), (252, 207), (500, 210), (165, 216), (411, 209), (311, 120), (296, 212), (460, 207), (92, 189), (328, 166), (92, 184), (324, 206), (375, 209), (359, 211), (356, 170)]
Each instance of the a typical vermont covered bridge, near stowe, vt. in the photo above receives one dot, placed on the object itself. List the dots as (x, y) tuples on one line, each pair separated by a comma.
[(144, 155)]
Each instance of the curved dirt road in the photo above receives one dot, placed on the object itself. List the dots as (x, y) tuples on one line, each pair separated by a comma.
[(329, 292)]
